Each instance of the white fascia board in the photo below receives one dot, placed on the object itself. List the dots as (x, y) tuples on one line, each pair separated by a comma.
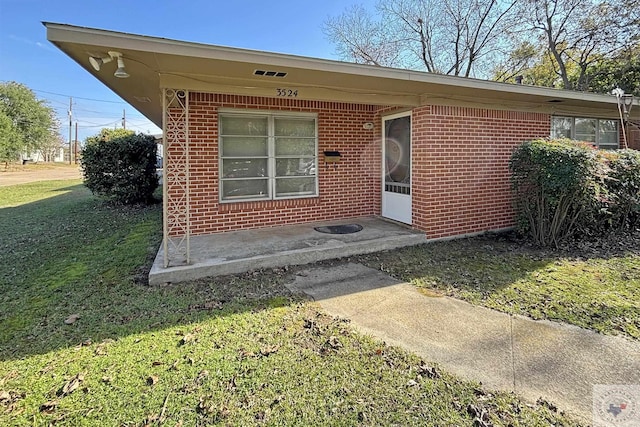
[(110, 39)]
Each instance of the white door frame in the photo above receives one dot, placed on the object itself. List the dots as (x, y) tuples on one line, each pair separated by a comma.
[(394, 205)]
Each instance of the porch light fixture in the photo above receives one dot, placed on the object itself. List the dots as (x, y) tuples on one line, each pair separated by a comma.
[(625, 102), (97, 62)]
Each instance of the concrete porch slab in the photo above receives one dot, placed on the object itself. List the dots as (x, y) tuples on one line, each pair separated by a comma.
[(239, 251)]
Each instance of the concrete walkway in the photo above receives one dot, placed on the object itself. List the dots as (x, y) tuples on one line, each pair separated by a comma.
[(557, 362)]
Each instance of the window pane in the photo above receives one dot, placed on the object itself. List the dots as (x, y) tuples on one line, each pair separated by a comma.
[(295, 147), (608, 136), (231, 125), (242, 168), (246, 189), (561, 127), (586, 129), (240, 147), (295, 127), (609, 140), (609, 126), (295, 186), (295, 167)]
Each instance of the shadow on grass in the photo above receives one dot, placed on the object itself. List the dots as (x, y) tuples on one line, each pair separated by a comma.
[(72, 254), (484, 264), (592, 285)]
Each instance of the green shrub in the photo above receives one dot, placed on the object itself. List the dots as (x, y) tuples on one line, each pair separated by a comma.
[(554, 188), (122, 169), (567, 189), (623, 187)]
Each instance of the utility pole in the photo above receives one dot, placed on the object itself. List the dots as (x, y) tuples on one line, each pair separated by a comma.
[(75, 145), (124, 119), (70, 125)]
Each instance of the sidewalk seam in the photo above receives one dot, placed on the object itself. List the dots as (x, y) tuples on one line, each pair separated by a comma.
[(513, 353)]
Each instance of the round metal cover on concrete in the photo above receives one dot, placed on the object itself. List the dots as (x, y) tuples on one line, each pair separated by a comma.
[(339, 229)]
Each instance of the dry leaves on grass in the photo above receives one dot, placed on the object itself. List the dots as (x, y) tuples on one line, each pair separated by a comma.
[(187, 338), (101, 349), (49, 407), (70, 320), (10, 399), (214, 410), (72, 385)]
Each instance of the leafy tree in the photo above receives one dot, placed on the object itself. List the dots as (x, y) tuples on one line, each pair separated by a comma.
[(33, 121), (538, 67), (621, 71), (9, 140), (455, 37), (577, 35)]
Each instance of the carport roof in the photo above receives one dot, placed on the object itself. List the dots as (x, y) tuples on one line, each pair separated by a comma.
[(154, 63)]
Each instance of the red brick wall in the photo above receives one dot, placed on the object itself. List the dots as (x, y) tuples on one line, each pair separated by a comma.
[(349, 188), (460, 166), (460, 157), (633, 136)]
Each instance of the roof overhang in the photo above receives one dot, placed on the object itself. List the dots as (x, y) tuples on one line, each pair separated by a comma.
[(155, 63)]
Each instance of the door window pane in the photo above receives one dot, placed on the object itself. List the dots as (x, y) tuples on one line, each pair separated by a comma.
[(397, 150)]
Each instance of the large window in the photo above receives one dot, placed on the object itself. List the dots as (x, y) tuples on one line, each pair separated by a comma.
[(267, 155), (603, 133)]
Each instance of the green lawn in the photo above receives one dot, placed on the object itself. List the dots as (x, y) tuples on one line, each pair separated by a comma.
[(596, 287), (235, 350)]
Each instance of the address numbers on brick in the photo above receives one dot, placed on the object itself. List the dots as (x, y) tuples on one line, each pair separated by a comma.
[(287, 93)]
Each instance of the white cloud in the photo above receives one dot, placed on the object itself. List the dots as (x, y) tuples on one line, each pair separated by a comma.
[(32, 43)]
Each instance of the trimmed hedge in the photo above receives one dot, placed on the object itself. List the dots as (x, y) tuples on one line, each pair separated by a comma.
[(122, 169), (566, 189)]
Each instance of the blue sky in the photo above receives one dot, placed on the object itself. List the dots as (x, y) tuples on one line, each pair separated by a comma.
[(286, 26)]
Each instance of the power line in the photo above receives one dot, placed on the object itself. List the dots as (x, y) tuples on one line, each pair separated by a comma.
[(79, 97)]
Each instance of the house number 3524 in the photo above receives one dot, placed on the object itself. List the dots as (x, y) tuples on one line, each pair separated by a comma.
[(287, 93)]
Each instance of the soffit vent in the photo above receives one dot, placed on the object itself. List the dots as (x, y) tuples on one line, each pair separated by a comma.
[(269, 73)]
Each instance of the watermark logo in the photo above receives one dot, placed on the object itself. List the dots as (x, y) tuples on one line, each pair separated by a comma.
[(616, 405)]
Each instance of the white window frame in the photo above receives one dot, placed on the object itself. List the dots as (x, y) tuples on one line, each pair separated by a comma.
[(597, 142), (271, 153)]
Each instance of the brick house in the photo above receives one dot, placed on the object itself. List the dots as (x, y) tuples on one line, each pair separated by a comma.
[(255, 139)]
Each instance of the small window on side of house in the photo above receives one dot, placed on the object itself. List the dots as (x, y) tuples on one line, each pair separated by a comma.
[(603, 133)]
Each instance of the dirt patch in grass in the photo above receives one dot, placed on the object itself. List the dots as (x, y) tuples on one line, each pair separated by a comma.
[(40, 172)]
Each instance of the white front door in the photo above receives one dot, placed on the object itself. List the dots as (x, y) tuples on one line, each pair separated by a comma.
[(396, 168)]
